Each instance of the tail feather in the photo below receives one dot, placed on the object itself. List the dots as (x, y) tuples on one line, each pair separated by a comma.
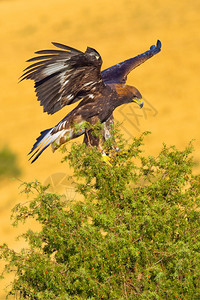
[(36, 157), (33, 153), (40, 139), (42, 142)]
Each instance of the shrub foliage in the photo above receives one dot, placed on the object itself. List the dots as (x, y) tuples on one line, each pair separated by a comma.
[(8, 163), (135, 235)]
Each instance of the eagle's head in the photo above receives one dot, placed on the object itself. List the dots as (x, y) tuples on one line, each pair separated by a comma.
[(134, 95), (128, 94)]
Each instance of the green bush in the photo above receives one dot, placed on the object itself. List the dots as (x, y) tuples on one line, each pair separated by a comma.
[(8, 163), (135, 235)]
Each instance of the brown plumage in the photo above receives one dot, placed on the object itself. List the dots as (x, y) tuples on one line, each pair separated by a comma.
[(65, 76)]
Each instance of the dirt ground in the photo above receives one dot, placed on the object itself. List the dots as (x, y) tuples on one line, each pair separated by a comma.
[(169, 81)]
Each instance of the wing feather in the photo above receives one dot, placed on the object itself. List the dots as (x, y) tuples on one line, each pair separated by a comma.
[(61, 46), (52, 51), (40, 57), (32, 66), (62, 76), (118, 73)]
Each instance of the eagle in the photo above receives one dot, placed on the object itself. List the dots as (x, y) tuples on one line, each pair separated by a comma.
[(65, 75)]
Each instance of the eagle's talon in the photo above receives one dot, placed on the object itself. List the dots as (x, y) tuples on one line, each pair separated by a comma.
[(106, 159)]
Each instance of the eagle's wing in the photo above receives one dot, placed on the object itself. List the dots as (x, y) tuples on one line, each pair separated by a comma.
[(118, 73), (64, 76)]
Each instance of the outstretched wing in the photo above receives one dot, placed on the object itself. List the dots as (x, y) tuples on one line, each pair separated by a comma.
[(64, 76), (118, 73)]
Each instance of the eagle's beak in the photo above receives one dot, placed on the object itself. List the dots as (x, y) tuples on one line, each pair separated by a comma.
[(139, 101)]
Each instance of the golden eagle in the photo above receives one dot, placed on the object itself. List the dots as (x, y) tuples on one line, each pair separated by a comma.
[(65, 75)]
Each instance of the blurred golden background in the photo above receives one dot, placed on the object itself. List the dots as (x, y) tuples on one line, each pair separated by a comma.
[(117, 30)]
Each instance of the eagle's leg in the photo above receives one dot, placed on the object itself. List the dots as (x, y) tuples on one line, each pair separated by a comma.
[(92, 140), (87, 138), (106, 132)]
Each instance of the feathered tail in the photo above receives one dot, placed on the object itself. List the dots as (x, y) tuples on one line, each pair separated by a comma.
[(42, 142)]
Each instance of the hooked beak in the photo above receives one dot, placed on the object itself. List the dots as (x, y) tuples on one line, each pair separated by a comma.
[(139, 101)]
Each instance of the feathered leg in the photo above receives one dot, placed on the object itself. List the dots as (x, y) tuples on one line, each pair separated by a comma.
[(91, 140), (108, 126)]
